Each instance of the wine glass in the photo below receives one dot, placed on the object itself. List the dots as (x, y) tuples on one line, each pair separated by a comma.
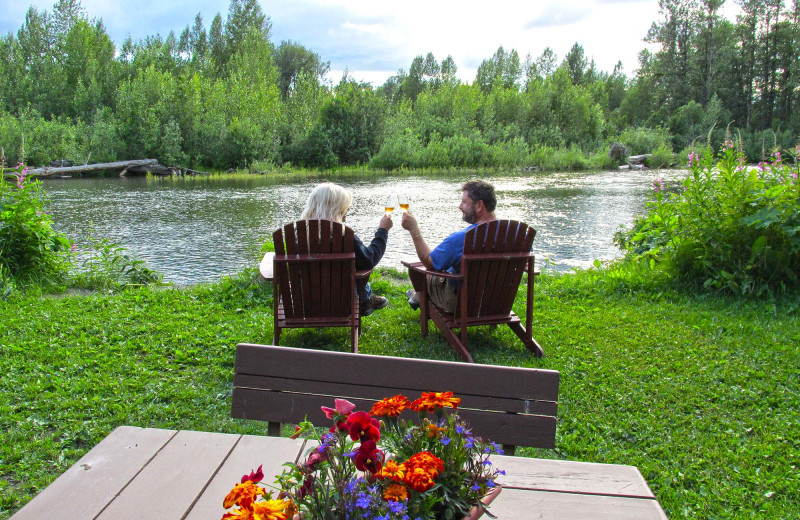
[(389, 205), (402, 199)]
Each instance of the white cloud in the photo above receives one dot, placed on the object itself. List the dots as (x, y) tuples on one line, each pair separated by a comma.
[(375, 39)]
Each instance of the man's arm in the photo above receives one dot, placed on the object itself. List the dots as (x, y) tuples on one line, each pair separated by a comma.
[(422, 249)]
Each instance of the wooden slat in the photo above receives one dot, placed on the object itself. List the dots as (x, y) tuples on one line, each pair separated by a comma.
[(184, 466), (573, 477), (284, 407), (346, 390), (496, 381), (90, 484), (514, 504), (250, 452)]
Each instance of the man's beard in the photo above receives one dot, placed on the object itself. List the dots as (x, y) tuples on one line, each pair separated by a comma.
[(469, 218)]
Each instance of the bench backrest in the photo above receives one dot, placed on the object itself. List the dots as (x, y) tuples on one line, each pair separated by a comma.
[(508, 405)]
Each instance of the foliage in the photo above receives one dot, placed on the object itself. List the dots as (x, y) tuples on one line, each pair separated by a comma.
[(30, 249), (644, 140), (376, 465), (107, 267), (731, 228)]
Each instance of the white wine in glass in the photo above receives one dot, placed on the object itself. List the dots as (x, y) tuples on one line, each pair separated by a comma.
[(389, 205), (403, 200)]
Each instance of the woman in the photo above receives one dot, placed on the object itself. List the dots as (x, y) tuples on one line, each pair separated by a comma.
[(330, 201)]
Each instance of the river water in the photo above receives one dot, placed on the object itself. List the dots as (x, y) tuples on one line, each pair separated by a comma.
[(200, 229)]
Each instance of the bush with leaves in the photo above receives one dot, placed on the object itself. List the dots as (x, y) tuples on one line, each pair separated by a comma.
[(31, 251), (730, 228)]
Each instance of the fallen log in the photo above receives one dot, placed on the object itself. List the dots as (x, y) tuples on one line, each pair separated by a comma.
[(638, 159), (47, 171)]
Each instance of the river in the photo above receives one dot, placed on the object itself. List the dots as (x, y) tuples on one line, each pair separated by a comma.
[(200, 229)]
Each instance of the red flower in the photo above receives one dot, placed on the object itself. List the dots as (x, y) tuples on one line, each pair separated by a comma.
[(368, 457), (343, 407), (364, 427), (255, 476)]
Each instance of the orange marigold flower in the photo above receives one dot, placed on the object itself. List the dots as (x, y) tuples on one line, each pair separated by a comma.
[(431, 401), (396, 492), (247, 491), (239, 514), (390, 406), (426, 461), (270, 510), (392, 470), (419, 479), (435, 431)]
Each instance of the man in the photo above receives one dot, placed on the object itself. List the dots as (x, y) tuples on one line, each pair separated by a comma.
[(477, 206)]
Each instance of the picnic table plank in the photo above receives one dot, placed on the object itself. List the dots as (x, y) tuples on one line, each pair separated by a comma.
[(86, 488), (548, 505), (170, 484), (250, 452), (573, 477)]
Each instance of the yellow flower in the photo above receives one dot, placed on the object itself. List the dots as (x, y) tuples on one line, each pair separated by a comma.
[(246, 491), (435, 431), (392, 470), (396, 492), (270, 510)]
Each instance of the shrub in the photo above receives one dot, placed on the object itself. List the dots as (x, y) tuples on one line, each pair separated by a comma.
[(732, 228), (30, 250), (107, 266), (644, 140), (662, 157)]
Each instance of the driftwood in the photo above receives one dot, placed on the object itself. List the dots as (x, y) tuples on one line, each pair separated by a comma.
[(638, 159), (47, 171)]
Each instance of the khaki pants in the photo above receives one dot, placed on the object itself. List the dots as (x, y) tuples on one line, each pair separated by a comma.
[(442, 293)]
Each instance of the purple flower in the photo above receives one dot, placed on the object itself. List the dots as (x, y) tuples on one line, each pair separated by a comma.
[(490, 483), (397, 507), (475, 487), (501, 472), (487, 462), (446, 440), (658, 185)]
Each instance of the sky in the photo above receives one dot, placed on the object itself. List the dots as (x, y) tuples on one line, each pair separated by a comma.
[(373, 39)]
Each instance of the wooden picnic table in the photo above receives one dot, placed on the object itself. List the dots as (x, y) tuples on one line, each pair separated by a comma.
[(146, 473)]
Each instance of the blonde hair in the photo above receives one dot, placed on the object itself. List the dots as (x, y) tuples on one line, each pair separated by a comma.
[(327, 201)]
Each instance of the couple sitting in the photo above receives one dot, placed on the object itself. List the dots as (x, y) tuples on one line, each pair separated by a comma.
[(331, 202)]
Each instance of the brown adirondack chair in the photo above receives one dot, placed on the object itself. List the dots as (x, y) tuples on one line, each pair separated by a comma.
[(496, 254), (314, 271)]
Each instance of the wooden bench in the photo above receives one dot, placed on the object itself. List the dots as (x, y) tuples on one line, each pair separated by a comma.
[(508, 405)]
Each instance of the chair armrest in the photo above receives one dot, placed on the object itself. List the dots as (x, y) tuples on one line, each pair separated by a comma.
[(363, 276), (418, 267)]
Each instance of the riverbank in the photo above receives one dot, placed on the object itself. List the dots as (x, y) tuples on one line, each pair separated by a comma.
[(700, 393)]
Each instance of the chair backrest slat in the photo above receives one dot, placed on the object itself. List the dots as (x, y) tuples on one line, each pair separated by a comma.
[(312, 286), (492, 283)]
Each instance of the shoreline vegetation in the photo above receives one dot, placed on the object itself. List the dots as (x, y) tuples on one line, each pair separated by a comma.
[(700, 392)]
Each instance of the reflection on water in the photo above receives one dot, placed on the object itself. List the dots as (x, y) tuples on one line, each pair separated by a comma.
[(201, 229)]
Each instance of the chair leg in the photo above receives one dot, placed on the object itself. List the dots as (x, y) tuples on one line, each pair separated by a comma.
[(355, 332), (276, 335), (527, 339), (451, 338)]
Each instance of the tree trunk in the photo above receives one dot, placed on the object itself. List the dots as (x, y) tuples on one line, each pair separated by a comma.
[(47, 171)]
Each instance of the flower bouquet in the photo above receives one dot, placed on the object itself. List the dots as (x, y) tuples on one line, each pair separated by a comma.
[(377, 465)]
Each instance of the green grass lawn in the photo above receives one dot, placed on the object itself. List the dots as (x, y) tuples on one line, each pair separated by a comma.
[(702, 394)]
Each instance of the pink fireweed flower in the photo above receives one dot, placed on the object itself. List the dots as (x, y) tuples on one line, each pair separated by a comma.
[(692, 159), (776, 159), (658, 185), (728, 145)]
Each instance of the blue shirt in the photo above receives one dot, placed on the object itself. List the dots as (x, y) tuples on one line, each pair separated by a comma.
[(447, 255)]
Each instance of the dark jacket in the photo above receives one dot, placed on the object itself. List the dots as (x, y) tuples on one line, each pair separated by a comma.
[(368, 257)]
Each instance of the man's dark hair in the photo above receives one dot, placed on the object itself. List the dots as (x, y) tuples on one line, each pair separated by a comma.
[(479, 190)]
